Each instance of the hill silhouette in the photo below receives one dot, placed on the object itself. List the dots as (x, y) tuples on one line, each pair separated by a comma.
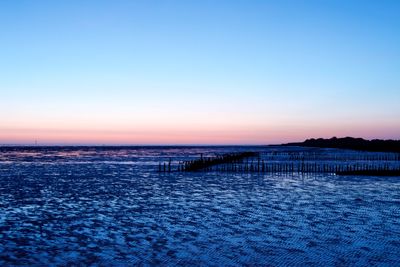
[(375, 145)]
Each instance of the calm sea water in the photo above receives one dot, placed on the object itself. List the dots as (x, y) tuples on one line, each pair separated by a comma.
[(109, 206)]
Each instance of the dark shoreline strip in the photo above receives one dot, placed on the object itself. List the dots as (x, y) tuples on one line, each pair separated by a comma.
[(352, 143), (371, 172)]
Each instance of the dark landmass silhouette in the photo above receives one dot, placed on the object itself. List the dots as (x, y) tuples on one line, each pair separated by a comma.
[(371, 172), (375, 145)]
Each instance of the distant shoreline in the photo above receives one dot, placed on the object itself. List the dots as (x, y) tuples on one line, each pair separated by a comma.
[(371, 172), (375, 145), (352, 143), (122, 146)]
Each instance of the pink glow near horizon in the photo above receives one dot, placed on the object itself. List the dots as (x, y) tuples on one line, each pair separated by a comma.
[(183, 136)]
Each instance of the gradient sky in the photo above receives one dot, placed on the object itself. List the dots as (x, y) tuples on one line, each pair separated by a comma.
[(198, 72)]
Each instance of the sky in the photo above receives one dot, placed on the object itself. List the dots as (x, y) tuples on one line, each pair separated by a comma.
[(198, 72)]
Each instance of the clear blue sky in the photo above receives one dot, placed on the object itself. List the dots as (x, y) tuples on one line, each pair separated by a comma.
[(195, 72)]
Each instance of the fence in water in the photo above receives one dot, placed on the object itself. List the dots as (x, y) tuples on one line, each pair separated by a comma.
[(362, 163), (326, 155), (208, 163)]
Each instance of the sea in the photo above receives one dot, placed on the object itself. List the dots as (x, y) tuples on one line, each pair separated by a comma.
[(110, 206)]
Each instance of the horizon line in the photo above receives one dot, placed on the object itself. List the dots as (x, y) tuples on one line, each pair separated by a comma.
[(36, 144), (129, 145)]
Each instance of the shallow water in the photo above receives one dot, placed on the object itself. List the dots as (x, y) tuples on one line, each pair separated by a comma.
[(109, 206)]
